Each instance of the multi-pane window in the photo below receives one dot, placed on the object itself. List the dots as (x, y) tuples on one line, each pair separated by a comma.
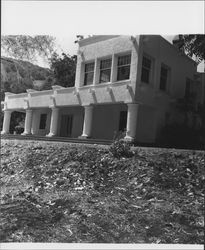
[(163, 78), (146, 70), (89, 73), (123, 67), (43, 121), (105, 70)]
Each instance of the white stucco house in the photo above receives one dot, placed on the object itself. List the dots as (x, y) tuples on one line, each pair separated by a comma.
[(123, 83)]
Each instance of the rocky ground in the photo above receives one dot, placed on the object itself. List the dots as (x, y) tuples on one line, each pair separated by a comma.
[(60, 192)]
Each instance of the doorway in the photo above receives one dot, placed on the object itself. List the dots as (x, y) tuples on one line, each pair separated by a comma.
[(66, 125)]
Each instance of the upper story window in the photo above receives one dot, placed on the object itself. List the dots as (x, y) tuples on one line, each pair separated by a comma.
[(146, 70), (105, 70), (164, 74), (89, 73), (123, 67), (43, 121)]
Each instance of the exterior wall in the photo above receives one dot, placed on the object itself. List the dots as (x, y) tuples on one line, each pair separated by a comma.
[(110, 48), (180, 67), (36, 121), (146, 125), (110, 98), (77, 125), (106, 120)]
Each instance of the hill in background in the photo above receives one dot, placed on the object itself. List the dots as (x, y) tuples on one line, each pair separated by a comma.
[(18, 75)]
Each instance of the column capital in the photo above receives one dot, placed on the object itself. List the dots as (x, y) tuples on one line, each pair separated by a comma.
[(53, 108), (8, 111)]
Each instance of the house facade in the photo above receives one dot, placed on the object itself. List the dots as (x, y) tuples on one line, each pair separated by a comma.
[(123, 83)]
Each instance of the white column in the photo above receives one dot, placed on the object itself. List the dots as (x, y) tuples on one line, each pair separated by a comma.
[(113, 76), (28, 122), (96, 72), (87, 126), (54, 122), (6, 122), (131, 121)]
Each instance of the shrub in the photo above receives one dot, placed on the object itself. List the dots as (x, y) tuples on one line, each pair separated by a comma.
[(19, 129), (121, 148)]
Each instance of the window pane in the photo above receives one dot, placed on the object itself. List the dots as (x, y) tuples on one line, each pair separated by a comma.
[(89, 67), (105, 64), (163, 83), (146, 63), (88, 78), (105, 75), (124, 60), (164, 72), (145, 75), (163, 78), (43, 121), (123, 73)]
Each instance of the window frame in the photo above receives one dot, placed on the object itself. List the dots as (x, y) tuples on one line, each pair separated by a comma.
[(143, 67), (86, 73), (101, 70), (123, 66), (167, 77)]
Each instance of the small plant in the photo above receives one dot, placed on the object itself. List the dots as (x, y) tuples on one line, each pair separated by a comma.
[(121, 148), (19, 129)]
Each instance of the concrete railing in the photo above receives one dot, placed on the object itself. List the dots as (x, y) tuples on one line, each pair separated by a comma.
[(59, 96)]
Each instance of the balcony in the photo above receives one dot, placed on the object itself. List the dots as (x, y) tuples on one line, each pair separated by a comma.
[(60, 96)]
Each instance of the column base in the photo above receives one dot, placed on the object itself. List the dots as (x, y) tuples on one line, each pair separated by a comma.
[(4, 133), (129, 138), (50, 135), (84, 137), (26, 133)]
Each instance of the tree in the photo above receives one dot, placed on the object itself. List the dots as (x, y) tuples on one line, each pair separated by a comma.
[(192, 45), (28, 47), (64, 68)]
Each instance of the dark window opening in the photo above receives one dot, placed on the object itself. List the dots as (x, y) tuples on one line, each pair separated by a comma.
[(163, 78), (123, 67), (43, 119), (105, 70), (146, 69), (123, 121), (89, 73)]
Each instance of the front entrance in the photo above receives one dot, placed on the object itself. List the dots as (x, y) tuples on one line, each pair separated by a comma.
[(66, 125)]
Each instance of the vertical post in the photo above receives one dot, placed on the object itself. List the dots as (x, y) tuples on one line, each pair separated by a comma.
[(87, 126), (6, 122), (113, 75), (28, 122), (54, 122), (131, 121), (96, 72)]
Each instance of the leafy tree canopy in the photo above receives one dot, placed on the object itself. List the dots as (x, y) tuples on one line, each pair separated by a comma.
[(29, 48), (192, 45), (64, 68)]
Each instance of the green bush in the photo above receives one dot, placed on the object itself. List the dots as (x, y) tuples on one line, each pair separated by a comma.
[(121, 148)]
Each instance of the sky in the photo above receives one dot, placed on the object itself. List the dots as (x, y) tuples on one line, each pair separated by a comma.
[(66, 19)]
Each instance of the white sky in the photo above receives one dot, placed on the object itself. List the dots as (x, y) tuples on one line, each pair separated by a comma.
[(66, 19)]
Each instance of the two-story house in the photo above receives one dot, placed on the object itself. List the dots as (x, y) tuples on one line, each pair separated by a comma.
[(123, 83)]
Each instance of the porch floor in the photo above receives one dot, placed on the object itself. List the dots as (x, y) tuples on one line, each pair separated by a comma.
[(56, 138)]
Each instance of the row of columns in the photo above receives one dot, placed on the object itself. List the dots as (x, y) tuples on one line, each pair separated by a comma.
[(87, 125)]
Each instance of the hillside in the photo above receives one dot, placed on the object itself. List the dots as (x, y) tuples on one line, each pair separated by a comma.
[(18, 75), (60, 192)]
